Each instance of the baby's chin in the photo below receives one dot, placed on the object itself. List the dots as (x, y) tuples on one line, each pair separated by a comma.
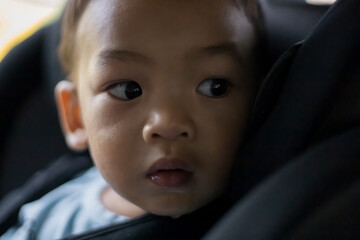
[(175, 210), (174, 213)]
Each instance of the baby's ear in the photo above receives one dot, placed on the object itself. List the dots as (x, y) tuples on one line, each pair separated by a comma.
[(70, 115)]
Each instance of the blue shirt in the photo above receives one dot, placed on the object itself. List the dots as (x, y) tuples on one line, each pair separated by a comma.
[(72, 208)]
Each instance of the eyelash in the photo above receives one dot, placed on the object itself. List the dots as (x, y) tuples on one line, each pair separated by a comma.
[(219, 87), (135, 92), (212, 87)]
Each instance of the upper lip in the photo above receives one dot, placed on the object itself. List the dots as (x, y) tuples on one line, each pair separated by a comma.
[(168, 163)]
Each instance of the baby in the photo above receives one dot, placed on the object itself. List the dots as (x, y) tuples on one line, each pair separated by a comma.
[(160, 93)]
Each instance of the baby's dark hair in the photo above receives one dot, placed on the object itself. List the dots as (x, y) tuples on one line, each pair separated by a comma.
[(75, 8)]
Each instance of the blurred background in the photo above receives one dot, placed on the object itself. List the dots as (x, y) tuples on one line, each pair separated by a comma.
[(21, 18)]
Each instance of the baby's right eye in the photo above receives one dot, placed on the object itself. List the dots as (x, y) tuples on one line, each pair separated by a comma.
[(126, 90), (213, 87)]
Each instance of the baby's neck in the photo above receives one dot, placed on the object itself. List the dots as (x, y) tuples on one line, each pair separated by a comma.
[(117, 204)]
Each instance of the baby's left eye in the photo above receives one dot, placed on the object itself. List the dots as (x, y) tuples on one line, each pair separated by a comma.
[(213, 87), (126, 90)]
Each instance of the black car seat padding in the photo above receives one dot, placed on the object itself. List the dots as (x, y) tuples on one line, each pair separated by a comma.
[(319, 97), (311, 133), (296, 193), (30, 134)]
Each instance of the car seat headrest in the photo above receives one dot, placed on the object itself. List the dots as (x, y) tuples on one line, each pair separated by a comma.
[(313, 97)]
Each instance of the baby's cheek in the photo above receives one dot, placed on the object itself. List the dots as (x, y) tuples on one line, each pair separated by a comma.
[(105, 147)]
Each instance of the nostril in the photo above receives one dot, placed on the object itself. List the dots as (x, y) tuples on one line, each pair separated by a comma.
[(169, 135), (155, 135), (184, 134)]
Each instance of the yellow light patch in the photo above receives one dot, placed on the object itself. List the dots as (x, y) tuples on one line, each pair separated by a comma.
[(320, 2), (19, 19)]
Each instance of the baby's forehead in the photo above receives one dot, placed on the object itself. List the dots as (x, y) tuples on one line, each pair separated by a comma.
[(138, 14), (165, 26)]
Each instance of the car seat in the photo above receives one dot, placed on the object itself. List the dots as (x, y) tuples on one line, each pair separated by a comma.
[(313, 121), (30, 136), (288, 22)]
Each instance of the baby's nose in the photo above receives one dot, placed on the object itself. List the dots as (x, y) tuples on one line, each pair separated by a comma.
[(168, 125)]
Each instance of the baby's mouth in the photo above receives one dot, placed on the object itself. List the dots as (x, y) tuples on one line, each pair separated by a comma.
[(169, 173)]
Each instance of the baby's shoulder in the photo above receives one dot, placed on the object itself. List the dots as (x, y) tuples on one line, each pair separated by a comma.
[(71, 208)]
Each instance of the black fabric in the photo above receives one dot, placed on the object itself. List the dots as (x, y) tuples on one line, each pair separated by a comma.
[(291, 196), (318, 98), (338, 219), (59, 172), (30, 134), (272, 88), (19, 63), (288, 22)]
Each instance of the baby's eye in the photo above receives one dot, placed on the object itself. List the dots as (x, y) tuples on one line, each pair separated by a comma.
[(213, 87), (126, 90)]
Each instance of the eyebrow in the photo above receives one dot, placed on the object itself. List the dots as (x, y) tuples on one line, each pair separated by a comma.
[(226, 48), (122, 55)]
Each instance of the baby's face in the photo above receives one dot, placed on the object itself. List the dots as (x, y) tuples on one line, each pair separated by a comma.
[(164, 97)]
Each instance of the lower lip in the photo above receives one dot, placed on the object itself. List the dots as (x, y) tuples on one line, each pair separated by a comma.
[(170, 178)]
